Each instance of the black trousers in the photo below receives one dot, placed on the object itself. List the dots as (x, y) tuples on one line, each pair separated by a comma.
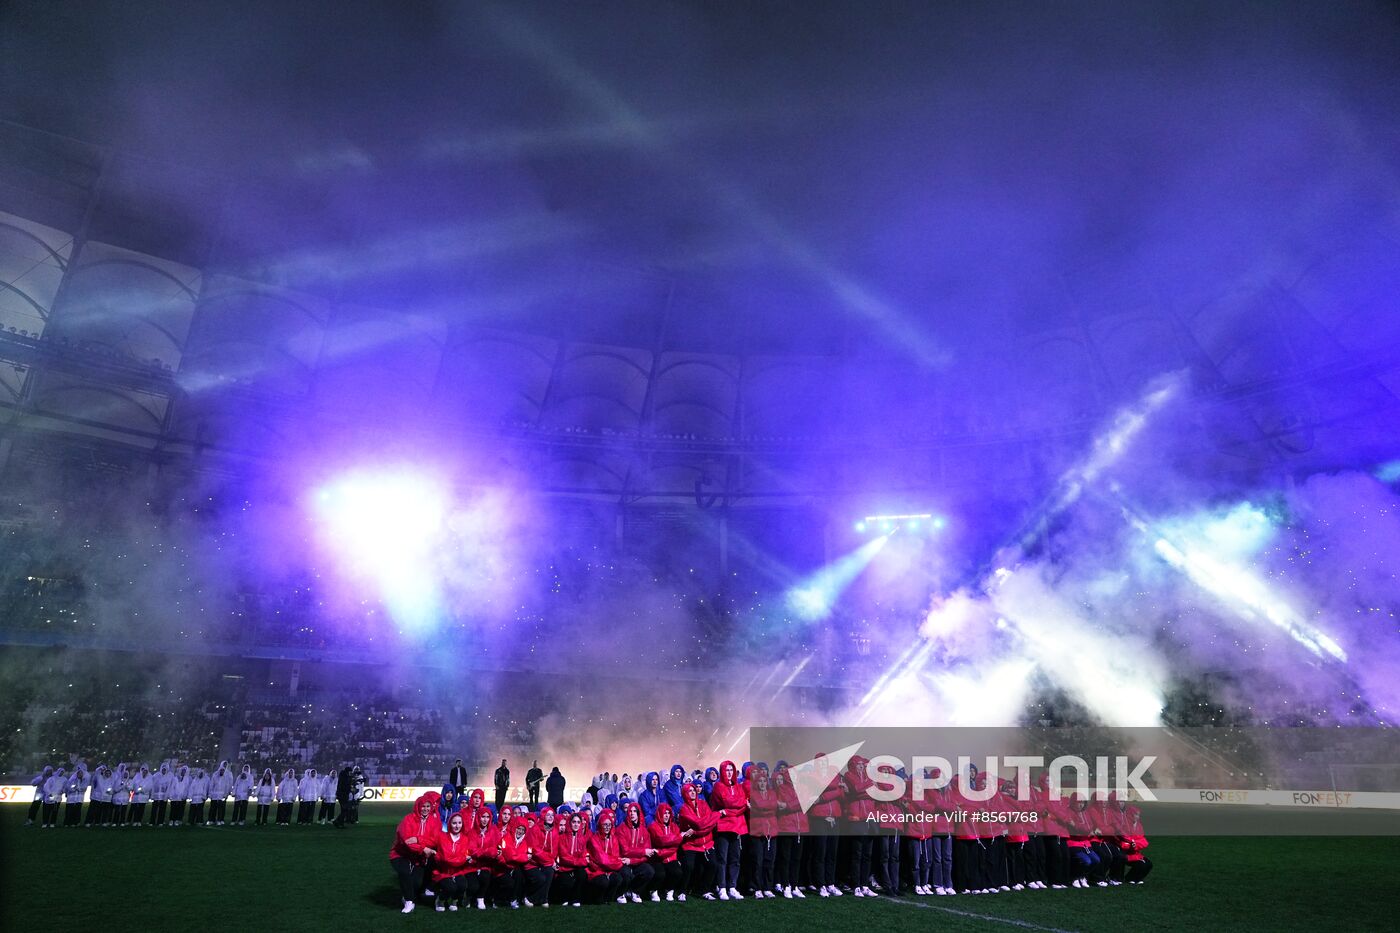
[(697, 871), (666, 876), (788, 857), (341, 817), (196, 812), (1034, 854), (410, 877), (917, 854), (92, 811), (284, 814), (327, 811), (862, 856), (1057, 867), (158, 811), (240, 811), (262, 813), (508, 887), (967, 865), (305, 811), (138, 813), (218, 809), (609, 885), (177, 810), (72, 812), (643, 873), (537, 884), (824, 849), (887, 865), (34, 806), (534, 800), (941, 860), (50, 814), (727, 848), (1016, 863), (765, 857), (1138, 870), (450, 890), (500, 798), (569, 885), (994, 861), (118, 813), (1113, 860)]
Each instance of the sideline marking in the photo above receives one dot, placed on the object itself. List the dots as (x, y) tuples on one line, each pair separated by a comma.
[(1025, 924)]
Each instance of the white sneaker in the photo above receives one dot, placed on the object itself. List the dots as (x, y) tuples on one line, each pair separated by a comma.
[(407, 907), (824, 892), (452, 907), (428, 892), (622, 899), (527, 903), (514, 905), (671, 896), (787, 893), (797, 892), (655, 897), (1102, 884), (708, 895), (836, 892), (734, 894), (636, 898), (680, 897), (1017, 887), (1005, 887), (481, 903), (1057, 887), (723, 894), (439, 907), (575, 904), (860, 892)]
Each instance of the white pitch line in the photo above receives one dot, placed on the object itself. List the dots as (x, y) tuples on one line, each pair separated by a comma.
[(1024, 924)]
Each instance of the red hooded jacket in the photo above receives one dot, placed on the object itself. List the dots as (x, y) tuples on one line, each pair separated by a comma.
[(856, 802), (544, 842), (829, 803), (604, 848), (635, 840), (573, 846), (763, 803), (731, 797), (484, 842), (791, 820), (452, 856), (416, 833), (697, 817), (665, 834)]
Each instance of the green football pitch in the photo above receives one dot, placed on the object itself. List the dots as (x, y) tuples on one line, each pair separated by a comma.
[(319, 878)]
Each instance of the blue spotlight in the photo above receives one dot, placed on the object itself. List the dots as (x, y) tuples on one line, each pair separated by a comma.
[(860, 527), (939, 523)]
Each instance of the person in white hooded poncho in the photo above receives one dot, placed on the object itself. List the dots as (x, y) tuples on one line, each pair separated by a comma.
[(286, 797), (53, 793), (73, 792), (308, 789), (142, 783), (36, 805), (199, 795), (121, 795), (101, 809), (327, 794), (242, 789), (220, 786), (179, 795), (161, 783), (266, 793)]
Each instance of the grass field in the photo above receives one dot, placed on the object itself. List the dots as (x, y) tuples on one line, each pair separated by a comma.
[(318, 878)]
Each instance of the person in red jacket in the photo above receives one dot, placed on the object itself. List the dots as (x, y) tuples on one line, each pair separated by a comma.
[(917, 834), (967, 848), (697, 824), (730, 800), (414, 843), (1054, 833), (475, 801), (1131, 843), (544, 857), (634, 840), (824, 837), (1086, 863), (450, 864), (665, 857), (792, 824), (483, 844), (763, 830), (571, 877), (608, 874), (857, 805), (514, 849)]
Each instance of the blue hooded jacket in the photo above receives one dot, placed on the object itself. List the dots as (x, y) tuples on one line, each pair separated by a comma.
[(671, 790), (650, 797), (445, 810), (711, 779)]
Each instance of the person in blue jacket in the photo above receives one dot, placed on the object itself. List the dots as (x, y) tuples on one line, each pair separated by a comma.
[(671, 790), (649, 798)]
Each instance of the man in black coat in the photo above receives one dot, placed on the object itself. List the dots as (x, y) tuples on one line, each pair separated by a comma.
[(502, 784), (533, 778), (457, 777), (554, 789), (344, 790)]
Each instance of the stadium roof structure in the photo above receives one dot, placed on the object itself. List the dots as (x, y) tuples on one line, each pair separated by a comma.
[(125, 324)]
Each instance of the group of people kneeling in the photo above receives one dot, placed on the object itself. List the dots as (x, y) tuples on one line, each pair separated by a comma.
[(750, 831)]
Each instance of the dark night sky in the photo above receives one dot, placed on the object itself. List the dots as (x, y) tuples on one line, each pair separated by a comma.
[(914, 175)]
